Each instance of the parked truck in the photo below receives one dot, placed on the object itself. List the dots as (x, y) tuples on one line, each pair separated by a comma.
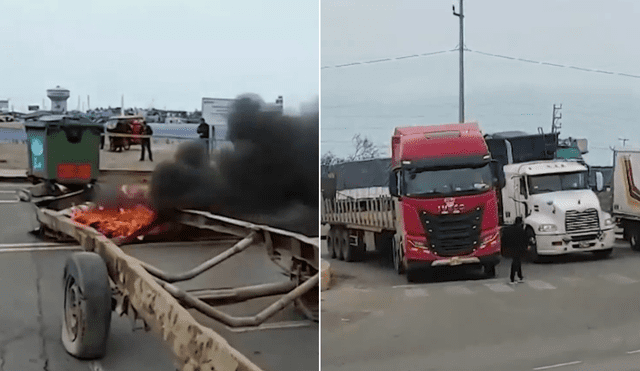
[(561, 213), (442, 206), (626, 194)]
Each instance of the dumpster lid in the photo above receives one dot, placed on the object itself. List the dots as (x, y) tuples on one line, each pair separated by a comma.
[(55, 120)]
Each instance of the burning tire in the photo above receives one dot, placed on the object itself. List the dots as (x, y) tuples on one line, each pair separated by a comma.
[(86, 317)]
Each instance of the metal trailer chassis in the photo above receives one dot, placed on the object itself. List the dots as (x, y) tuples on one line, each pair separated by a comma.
[(104, 278)]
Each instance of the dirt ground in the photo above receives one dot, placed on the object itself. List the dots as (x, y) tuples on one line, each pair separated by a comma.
[(14, 156)]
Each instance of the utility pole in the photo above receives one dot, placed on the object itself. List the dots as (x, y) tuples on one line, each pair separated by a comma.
[(555, 124), (461, 102)]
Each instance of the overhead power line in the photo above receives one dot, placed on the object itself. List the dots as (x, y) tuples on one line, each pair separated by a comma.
[(387, 59), (487, 54)]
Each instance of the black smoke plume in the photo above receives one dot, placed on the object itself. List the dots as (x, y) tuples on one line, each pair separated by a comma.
[(270, 176)]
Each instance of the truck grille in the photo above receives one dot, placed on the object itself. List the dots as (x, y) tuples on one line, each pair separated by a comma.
[(453, 234), (580, 221)]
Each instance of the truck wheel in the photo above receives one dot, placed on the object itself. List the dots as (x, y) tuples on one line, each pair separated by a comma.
[(634, 237), (87, 306), (398, 263), (126, 144), (532, 245), (490, 270), (602, 254), (350, 253), (331, 243), (112, 145), (342, 241)]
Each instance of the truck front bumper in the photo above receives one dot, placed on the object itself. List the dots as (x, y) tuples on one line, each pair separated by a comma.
[(492, 259), (558, 244)]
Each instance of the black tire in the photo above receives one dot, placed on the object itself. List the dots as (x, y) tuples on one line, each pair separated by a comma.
[(126, 145), (634, 236), (532, 245), (413, 273), (331, 243), (602, 254), (86, 316), (112, 145), (341, 236), (349, 250), (490, 270), (396, 251)]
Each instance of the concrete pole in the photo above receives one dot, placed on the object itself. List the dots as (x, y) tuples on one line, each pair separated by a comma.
[(461, 63)]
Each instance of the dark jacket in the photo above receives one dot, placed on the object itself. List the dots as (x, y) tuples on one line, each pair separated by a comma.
[(514, 241), (203, 130)]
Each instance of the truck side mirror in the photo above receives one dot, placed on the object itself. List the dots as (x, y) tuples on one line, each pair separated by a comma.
[(498, 174), (393, 183)]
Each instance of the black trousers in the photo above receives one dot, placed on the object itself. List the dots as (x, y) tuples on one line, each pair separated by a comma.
[(516, 267), (146, 143)]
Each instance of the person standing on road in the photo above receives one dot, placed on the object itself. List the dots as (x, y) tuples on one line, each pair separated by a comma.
[(517, 241), (146, 142), (203, 132)]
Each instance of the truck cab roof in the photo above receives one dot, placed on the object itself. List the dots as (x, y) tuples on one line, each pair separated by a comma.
[(439, 141), (544, 167)]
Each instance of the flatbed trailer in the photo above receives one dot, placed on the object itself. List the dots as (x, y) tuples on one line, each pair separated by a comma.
[(104, 278)]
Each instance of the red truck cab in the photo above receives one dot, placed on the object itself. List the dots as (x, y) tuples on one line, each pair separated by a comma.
[(444, 184)]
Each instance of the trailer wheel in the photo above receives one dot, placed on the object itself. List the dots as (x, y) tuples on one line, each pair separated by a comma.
[(340, 242), (331, 243), (398, 262), (349, 250), (127, 144), (634, 236), (86, 317)]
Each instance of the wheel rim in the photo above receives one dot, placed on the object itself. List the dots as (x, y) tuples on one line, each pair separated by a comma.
[(72, 309), (533, 244)]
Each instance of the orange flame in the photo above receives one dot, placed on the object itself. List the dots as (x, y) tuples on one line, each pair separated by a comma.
[(115, 223)]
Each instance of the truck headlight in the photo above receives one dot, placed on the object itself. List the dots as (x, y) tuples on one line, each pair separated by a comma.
[(609, 222), (547, 228)]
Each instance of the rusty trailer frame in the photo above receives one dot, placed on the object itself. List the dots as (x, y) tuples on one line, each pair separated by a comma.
[(144, 292)]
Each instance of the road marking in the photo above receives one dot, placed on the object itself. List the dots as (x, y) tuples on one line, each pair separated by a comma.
[(498, 287), (16, 201), (414, 293), (540, 285), (14, 192), (95, 366), (634, 351), (17, 247), (558, 365), (573, 280), (458, 290), (617, 278), (404, 286)]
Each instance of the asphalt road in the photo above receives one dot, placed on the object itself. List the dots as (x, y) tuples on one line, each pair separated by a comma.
[(31, 305), (571, 313)]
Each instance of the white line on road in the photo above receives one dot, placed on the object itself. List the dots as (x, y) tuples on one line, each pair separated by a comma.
[(14, 192), (95, 366), (540, 285), (414, 293), (6, 248), (498, 287), (634, 351), (558, 365), (404, 286), (619, 279), (458, 290)]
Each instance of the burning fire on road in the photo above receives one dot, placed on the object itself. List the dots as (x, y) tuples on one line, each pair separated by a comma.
[(115, 223)]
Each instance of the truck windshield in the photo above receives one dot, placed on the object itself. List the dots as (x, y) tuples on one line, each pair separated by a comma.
[(557, 182), (425, 182)]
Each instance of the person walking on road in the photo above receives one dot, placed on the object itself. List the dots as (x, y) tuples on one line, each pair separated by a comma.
[(146, 142), (518, 243)]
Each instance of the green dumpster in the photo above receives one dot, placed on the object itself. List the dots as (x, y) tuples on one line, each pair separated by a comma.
[(64, 149)]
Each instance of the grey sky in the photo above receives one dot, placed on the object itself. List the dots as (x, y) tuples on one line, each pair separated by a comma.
[(501, 94), (166, 53)]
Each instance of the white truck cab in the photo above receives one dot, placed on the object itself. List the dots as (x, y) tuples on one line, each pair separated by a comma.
[(562, 215)]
